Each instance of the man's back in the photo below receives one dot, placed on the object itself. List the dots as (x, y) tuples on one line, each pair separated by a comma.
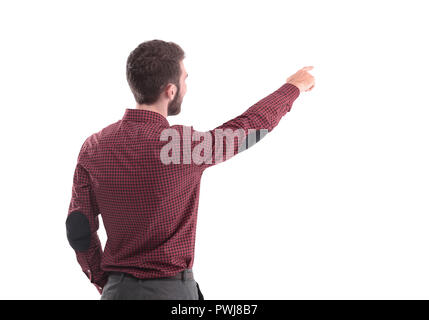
[(148, 208)]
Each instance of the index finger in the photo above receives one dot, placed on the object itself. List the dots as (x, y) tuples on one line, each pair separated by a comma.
[(307, 68)]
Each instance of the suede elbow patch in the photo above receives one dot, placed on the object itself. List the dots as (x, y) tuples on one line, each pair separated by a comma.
[(78, 231)]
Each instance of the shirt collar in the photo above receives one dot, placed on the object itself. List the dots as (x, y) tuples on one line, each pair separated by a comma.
[(141, 115)]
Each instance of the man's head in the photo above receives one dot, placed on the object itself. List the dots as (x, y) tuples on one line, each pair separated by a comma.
[(156, 75)]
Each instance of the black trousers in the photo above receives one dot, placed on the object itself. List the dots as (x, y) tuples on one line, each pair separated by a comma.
[(127, 287)]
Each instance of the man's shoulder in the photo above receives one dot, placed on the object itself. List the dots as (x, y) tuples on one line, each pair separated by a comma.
[(97, 138), (182, 127)]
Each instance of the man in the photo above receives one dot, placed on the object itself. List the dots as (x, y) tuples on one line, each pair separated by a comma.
[(143, 175)]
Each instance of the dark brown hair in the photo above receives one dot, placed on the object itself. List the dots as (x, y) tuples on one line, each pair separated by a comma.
[(151, 66)]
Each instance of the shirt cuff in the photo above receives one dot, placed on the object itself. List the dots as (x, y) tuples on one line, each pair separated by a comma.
[(289, 90)]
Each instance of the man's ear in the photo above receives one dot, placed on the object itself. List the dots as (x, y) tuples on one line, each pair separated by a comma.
[(171, 88)]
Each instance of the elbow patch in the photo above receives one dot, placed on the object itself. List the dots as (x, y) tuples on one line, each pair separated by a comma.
[(78, 231)]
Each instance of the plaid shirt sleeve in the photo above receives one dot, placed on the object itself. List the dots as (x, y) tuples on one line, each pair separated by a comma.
[(83, 201), (250, 126)]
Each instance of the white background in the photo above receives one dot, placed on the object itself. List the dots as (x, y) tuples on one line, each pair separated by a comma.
[(332, 204)]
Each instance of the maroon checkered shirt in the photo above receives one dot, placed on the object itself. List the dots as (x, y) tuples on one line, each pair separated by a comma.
[(149, 209)]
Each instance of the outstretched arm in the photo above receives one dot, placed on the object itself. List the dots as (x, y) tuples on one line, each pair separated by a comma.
[(204, 149), (247, 129)]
